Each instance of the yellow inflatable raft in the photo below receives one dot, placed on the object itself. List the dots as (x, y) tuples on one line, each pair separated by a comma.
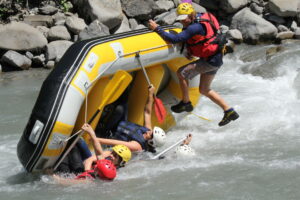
[(73, 91)]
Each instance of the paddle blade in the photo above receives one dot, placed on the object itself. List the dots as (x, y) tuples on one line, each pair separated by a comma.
[(116, 86), (160, 110)]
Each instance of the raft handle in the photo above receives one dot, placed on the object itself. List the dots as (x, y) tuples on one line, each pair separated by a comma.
[(36, 132)]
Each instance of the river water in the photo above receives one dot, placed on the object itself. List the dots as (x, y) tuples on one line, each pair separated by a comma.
[(255, 157)]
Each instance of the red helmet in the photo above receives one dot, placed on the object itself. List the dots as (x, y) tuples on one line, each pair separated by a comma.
[(106, 169)]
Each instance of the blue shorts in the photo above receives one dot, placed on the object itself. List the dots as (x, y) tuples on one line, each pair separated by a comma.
[(199, 66)]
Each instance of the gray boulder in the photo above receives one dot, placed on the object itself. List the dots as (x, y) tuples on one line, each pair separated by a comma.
[(59, 18), (133, 23), (293, 26), (44, 30), (297, 33), (231, 6), (284, 8), (17, 60), (199, 8), (95, 29), (124, 26), (21, 37), (29, 55), (75, 24), (235, 35), (282, 28), (140, 26), (39, 60), (166, 18), (256, 8), (39, 20), (210, 4), (48, 10), (164, 5), (140, 9), (253, 27), (274, 19), (50, 64), (58, 33), (285, 35), (108, 12), (56, 49)]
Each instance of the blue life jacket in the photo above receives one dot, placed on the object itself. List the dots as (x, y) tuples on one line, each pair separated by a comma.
[(128, 131)]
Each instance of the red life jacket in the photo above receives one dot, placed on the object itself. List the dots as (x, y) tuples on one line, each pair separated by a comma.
[(201, 45)]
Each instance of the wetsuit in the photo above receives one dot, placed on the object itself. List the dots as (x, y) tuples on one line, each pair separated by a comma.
[(187, 33)]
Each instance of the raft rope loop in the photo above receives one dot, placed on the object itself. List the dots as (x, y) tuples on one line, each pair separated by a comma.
[(87, 87)]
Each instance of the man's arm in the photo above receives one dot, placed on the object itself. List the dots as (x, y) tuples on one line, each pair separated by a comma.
[(97, 146), (148, 107), (132, 145), (183, 36)]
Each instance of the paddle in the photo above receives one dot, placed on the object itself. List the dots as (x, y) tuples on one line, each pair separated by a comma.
[(112, 92), (159, 156), (159, 108)]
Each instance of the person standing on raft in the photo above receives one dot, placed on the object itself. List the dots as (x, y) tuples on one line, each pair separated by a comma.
[(199, 35)]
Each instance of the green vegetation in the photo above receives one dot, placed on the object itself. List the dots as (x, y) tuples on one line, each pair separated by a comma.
[(65, 5), (3, 12)]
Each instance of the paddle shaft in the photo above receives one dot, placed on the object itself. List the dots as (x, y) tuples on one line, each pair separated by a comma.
[(168, 149), (143, 68)]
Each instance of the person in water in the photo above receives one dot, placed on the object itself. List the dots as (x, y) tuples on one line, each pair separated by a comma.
[(136, 137), (199, 35), (103, 163)]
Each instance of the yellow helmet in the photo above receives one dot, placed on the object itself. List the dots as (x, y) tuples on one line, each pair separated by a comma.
[(123, 151), (185, 9)]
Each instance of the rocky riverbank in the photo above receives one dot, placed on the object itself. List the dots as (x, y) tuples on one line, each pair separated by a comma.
[(37, 33)]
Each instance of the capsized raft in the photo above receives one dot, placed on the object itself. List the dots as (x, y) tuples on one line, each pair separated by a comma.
[(60, 109)]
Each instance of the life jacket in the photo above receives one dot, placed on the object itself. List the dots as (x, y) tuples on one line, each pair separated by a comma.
[(127, 131), (203, 45)]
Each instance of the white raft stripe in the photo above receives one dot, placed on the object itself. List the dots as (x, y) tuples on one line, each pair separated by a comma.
[(71, 106)]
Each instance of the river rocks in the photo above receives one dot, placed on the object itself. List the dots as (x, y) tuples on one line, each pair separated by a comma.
[(21, 37), (17, 60), (95, 29), (297, 33), (262, 21), (39, 20), (166, 18), (140, 9), (231, 6), (235, 35), (108, 12), (124, 26), (256, 8), (285, 35), (284, 8), (48, 10), (56, 49), (58, 33), (75, 24), (210, 4), (44, 30), (164, 5), (39, 60), (253, 27)]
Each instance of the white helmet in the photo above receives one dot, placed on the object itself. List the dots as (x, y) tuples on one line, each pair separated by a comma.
[(159, 137), (184, 151)]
